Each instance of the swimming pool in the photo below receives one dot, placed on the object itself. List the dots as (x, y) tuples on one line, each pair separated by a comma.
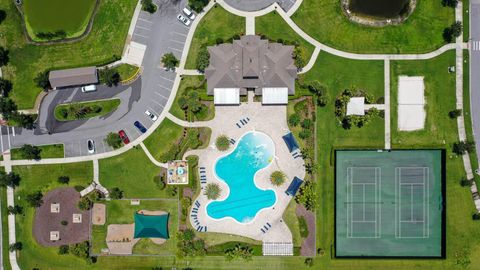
[(254, 151)]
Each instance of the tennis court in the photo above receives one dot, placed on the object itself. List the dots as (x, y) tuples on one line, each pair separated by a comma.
[(389, 204)]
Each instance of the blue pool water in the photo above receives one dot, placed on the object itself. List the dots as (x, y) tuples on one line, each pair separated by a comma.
[(254, 151)]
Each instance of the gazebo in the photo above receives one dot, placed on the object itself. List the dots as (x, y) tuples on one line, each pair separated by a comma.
[(151, 226)]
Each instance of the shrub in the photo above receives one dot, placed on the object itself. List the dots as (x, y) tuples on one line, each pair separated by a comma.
[(450, 3), (3, 15), (5, 85), (188, 246), (85, 204), (80, 249), (63, 249), (465, 182), (476, 216), (299, 57), (277, 178), (197, 5), (294, 119), (15, 246), (455, 113), (306, 124), (212, 191), (239, 251), (169, 61), (109, 76), (116, 193), (307, 196), (64, 222), (114, 140), (172, 191), (14, 210), (302, 223), (219, 40), (34, 199), (463, 147), (222, 143), (309, 262), (305, 134), (63, 179), (10, 179), (203, 59), (148, 6), (28, 151)]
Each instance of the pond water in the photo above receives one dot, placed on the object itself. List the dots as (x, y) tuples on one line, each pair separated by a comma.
[(379, 8)]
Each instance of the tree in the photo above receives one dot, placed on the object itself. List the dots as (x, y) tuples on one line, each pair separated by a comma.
[(307, 196), (203, 59), (3, 56), (455, 113), (319, 91), (188, 246), (294, 119), (3, 15), (10, 179), (169, 61), (222, 143), (197, 5), (110, 77), (63, 249), (148, 6), (35, 199), (28, 151), (42, 80), (7, 107), (24, 120), (212, 191), (116, 193), (450, 3), (299, 56), (80, 249), (63, 179), (114, 140), (476, 216), (277, 178), (15, 210), (452, 32), (465, 182), (85, 204), (463, 147), (309, 262), (64, 222), (15, 246)]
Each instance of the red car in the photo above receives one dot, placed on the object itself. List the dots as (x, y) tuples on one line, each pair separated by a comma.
[(124, 136)]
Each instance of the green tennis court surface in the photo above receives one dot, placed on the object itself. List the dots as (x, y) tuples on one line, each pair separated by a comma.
[(389, 204)]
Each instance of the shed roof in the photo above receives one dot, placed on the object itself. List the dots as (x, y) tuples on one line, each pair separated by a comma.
[(356, 106), (73, 76)]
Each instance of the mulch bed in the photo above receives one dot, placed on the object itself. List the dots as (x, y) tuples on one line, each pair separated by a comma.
[(45, 221), (308, 245)]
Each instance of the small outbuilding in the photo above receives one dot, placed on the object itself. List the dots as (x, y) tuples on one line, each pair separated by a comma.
[(356, 106), (73, 77)]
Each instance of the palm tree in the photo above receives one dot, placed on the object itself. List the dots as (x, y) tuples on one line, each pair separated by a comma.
[(212, 191), (277, 178)]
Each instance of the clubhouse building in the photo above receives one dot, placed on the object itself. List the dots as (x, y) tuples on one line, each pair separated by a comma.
[(251, 64)]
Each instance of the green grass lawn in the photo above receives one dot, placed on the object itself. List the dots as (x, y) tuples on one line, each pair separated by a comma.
[(439, 128), (126, 71), (48, 151), (291, 220), (85, 110), (422, 32), (122, 212), (166, 134), (217, 23), (133, 173), (466, 20), (274, 27), (52, 15), (104, 44), (197, 83)]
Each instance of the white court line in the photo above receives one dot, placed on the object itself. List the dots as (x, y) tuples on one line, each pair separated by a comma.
[(161, 95), (135, 34), (142, 19), (166, 78), (174, 32), (175, 49)]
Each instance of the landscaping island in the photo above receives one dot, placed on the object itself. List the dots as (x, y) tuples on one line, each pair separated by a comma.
[(85, 110)]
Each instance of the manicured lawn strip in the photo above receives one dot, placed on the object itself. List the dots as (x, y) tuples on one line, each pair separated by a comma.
[(422, 32), (217, 23), (126, 71), (439, 130), (121, 212), (133, 173), (466, 20), (44, 178), (3, 198), (291, 220), (274, 27), (104, 44), (197, 83), (48, 151), (105, 107), (166, 134)]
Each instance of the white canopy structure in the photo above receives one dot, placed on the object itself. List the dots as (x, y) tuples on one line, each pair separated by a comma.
[(275, 95), (356, 106), (226, 96)]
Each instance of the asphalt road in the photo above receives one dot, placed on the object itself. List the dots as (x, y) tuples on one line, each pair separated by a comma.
[(474, 70), (161, 32)]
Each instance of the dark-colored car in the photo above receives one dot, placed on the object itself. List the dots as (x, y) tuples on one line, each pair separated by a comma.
[(124, 136), (140, 127)]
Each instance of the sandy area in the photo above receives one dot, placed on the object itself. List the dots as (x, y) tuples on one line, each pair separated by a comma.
[(98, 214), (411, 103)]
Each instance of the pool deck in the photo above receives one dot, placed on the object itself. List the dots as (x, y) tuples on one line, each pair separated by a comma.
[(271, 120)]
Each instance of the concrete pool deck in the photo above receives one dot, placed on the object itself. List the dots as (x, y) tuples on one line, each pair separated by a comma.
[(271, 120)]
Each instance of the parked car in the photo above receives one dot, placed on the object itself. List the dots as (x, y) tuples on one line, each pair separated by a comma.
[(140, 127), (91, 146), (124, 136), (183, 19), (189, 13), (89, 88), (151, 115)]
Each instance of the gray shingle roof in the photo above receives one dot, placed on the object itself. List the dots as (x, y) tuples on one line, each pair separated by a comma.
[(251, 62), (74, 76)]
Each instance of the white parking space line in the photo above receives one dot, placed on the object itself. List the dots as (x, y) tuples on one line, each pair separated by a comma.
[(135, 34), (150, 108), (143, 20), (13, 131), (175, 49), (104, 149), (180, 34), (170, 80), (176, 41), (159, 104), (166, 88), (1, 137), (9, 144), (138, 132), (161, 95), (144, 28)]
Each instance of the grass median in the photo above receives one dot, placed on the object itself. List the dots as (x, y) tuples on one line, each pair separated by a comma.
[(85, 110), (47, 151)]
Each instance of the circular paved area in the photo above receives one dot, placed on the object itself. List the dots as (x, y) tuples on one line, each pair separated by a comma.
[(45, 221), (255, 5)]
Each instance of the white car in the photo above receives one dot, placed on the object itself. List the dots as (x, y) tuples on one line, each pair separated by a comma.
[(189, 13), (150, 115), (183, 19), (91, 146)]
